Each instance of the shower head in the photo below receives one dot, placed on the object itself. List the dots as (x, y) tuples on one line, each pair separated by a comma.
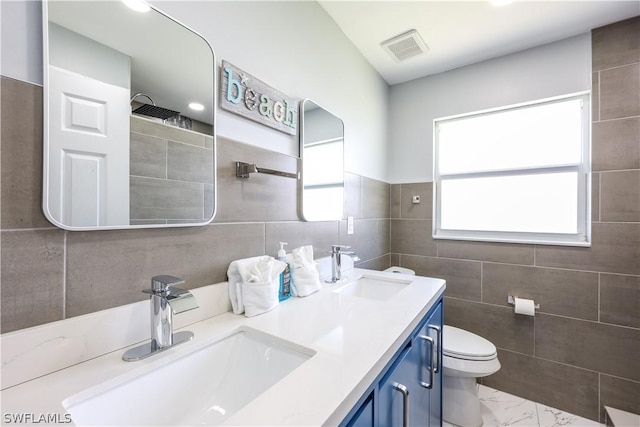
[(152, 110), (155, 111)]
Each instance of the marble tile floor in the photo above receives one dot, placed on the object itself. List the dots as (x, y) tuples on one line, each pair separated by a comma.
[(504, 409)]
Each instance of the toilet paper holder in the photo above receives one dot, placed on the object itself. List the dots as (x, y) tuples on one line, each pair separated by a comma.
[(511, 300)]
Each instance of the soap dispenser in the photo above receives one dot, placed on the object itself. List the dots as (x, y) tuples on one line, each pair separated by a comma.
[(286, 279)]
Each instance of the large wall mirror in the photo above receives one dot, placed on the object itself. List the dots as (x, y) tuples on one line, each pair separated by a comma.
[(322, 153), (129, 118)]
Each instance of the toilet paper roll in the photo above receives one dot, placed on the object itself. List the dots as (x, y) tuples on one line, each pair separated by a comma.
[(524, 306)]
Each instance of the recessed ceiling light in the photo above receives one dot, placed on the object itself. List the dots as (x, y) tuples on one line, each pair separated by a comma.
[(137, 5), (196, 106)]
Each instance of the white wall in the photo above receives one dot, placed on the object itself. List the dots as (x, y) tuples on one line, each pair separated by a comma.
[(102, 63), (21, 40), (550, 70), (321, 125), (293, 46)]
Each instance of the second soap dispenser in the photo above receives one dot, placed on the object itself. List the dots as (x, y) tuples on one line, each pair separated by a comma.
[(286, 278)]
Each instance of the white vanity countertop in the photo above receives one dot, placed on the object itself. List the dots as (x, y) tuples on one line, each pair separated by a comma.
[(353, 339)]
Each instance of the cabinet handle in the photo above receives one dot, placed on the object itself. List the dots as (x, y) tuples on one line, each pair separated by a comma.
[(405, 402), (438, 347), (431, 346)]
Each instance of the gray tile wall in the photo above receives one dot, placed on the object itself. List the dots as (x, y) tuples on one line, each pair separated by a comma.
[(582, 349), (171, 174), (50, 274)]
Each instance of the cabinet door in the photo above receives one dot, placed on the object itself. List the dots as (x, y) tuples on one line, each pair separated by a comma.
[(400, 396), (364, 416), (428, 354)]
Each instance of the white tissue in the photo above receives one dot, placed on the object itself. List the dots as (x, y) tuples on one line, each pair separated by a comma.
[(306, 279), (260, 297), (524, 306), (253, 284)]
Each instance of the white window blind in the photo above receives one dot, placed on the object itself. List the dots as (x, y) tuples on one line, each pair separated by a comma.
[(515, 174), (324, 179)]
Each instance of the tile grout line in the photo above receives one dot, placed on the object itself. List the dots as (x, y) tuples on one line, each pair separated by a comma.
[(599, 197), (482, 282), (534, 336), (400, 203), (599, 396), (599, 291), (582, 319), (599, 95), (264, 237)]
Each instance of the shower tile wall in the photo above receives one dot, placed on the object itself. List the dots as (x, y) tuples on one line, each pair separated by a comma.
[(171, 174), (50, 274), (581, 350)]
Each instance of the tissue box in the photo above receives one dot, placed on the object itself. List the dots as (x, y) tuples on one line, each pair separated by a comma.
[(259, 297)]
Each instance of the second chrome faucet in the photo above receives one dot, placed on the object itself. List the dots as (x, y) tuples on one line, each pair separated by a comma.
[(166, 299), (336, 261)]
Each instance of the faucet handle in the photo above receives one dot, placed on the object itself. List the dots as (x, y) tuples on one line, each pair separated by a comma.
[(178, 299), (338, 248), (163, 282)]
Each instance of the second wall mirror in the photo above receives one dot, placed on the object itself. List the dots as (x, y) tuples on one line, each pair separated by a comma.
[(129, 118), (322, 153)]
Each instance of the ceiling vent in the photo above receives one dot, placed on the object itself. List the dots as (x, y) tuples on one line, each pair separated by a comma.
[(405, 46)]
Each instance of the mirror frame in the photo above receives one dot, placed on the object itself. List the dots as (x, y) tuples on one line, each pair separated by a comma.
[(46, 136), (301, 206)]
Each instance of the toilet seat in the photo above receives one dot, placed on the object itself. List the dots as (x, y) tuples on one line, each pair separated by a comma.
[(461, 344)]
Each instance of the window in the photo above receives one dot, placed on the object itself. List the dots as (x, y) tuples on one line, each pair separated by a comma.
[(515, 174), (323, 180)]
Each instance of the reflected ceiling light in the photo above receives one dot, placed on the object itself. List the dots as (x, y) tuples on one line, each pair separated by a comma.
[(499, 3), (137, 5), (196, 106)]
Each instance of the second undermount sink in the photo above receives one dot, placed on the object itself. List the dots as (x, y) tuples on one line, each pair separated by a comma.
[(376, 288), (205, 387)]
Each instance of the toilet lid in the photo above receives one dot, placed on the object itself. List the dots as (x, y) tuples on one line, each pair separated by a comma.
[(463, 344)]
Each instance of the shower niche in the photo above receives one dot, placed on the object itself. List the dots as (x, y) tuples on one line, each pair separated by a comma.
[(129, 118)]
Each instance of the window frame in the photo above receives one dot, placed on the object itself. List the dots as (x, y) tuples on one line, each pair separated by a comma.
[(583, 169)]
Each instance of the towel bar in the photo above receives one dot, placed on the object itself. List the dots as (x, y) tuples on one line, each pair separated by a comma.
[(243, 170)]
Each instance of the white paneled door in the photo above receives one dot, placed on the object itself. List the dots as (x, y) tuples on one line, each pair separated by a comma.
[(89, 150)]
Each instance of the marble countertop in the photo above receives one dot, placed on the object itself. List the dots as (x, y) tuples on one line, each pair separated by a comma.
[(353, 339)]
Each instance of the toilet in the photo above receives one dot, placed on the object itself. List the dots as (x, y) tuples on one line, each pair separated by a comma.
[(465, 357)]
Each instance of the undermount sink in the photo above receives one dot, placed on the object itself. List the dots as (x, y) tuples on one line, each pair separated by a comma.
[(376, 288), (205, 387)]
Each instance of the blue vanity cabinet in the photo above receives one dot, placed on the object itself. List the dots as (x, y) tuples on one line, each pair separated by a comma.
[(409, 391)]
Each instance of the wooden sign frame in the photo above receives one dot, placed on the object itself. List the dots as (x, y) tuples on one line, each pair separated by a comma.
[(247, 96)]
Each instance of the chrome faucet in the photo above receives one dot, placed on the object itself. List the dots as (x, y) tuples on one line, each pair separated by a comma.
[(336, 261), (165, 300)]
